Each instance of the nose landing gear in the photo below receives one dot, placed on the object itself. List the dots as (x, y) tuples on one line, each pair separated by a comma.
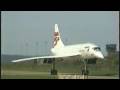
[(85, 71)]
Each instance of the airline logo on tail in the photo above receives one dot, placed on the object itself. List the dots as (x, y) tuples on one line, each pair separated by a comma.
[(57, 43), (56, 38)]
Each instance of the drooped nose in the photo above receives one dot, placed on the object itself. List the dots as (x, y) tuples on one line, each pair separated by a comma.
[(99, 55)]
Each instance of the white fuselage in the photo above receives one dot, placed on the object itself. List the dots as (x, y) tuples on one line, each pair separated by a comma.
[(86, 51)]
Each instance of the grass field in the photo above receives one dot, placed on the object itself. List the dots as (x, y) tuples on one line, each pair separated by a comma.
[(42, 71), (29, 76)]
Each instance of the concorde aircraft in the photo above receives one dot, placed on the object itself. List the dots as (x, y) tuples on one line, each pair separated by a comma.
[(59, 50)]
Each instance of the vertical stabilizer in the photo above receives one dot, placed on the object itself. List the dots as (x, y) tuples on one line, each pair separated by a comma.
[(57, 40)]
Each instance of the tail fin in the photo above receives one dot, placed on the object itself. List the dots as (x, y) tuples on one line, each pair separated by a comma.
[(57, 40)]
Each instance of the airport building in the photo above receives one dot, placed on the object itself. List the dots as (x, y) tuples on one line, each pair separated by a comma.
[(111, 49)]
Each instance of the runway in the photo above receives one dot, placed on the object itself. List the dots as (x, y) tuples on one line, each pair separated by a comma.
[(82, 77)]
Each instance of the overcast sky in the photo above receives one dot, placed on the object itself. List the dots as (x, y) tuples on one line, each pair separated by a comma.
[(31, 32)]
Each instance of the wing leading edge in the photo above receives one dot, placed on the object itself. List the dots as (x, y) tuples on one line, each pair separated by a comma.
[(44, 57)]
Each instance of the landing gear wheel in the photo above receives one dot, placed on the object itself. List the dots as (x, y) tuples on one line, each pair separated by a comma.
[(85, 72), (53, 72)]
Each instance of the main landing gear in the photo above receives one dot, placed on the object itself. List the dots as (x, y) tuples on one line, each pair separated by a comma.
[(53, 70)]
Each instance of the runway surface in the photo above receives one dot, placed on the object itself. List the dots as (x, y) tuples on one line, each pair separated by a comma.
[(82, 77)]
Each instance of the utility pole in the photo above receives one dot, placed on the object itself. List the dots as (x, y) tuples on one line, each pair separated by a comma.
[(26, 46), (45, 47), (37, 45)]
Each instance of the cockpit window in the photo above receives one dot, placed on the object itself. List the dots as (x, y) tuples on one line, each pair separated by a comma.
[(97, 48)]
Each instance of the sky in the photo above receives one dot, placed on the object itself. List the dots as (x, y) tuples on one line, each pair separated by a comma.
[(31, 32)]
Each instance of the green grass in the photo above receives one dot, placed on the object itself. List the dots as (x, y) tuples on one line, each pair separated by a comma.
[(27, 67), (28, 77), (102, 69)]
